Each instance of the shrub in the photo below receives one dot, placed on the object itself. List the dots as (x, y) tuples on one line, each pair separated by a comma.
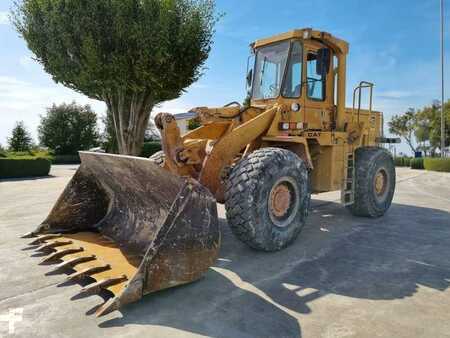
[(66, 159), (437, 164), (417, 163), (150, 148), (402, 161), (26, 166), (67, 128), (2, 151)]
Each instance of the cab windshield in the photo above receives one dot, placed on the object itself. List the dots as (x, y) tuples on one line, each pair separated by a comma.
[(269, 70)]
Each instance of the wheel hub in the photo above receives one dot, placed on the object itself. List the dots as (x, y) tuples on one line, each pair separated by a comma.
[(380, 183), (283, 201), (280, 200)]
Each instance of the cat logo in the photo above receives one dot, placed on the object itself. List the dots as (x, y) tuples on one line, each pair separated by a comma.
[(313, 134), (373, 120)]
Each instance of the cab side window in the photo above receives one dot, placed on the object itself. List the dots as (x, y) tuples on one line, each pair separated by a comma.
[(316, 82)]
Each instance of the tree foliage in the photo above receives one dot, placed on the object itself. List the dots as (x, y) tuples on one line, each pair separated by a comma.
[(421, 128), (404, 125), (20, 139), (68, 128), (194, 124), (131, 54)]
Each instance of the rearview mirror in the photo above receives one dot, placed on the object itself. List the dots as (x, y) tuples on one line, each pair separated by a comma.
[(323, 61), (249, 78)]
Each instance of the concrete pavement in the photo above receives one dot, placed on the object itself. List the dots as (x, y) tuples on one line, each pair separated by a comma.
[(343, 277)]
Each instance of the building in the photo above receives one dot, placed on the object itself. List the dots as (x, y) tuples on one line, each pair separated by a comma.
[(183, 121)]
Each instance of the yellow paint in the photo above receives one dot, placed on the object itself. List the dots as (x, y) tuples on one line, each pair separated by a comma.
[(106, 252), (331, 132)]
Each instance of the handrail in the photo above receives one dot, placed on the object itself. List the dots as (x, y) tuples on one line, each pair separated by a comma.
[(358, 90)]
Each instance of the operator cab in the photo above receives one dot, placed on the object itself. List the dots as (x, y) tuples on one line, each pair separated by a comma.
[(303, 69), (278, 70)]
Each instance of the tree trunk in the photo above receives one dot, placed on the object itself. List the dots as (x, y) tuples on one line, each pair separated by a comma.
[(131, 114)]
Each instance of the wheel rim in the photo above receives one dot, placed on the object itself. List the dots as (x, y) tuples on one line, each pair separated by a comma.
[(283, 201), (380, 183)]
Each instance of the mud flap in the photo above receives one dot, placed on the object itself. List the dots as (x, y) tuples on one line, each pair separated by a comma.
[(131, 226)]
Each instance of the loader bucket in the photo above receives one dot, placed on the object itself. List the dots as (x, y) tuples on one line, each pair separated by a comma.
[(131, 226)]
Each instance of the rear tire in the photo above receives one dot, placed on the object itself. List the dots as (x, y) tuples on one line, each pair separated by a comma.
[(267, 198), (375, 182), (158, 158)]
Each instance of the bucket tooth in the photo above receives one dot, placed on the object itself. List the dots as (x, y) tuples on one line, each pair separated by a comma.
[(71, 262), (52, 245), (58, 254), (87, 272), (42, 239), (109, 306), (97, 286), (30, 234)]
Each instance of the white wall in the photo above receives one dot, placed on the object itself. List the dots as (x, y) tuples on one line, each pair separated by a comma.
[(183, 125)]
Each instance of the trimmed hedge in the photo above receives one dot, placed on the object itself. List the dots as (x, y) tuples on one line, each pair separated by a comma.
[(150, 148), (417, 163), (402, 161), (24, 167), (437, 164), (65, 159)]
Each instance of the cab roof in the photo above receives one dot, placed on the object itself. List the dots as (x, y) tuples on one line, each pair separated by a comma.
[(338, 45)]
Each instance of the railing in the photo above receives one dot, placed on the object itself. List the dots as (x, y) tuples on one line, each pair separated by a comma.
[(357, 92)]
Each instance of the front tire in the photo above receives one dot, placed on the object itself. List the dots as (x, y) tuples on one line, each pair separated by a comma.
[(267, 198), (375, 182)]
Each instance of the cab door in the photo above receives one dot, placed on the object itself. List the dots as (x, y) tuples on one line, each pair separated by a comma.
[(319, 87)]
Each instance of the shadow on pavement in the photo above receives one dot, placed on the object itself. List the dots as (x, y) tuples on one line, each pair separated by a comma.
[(254, 294), (21, 179)]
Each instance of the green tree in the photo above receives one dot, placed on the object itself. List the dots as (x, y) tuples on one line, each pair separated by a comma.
[(429, 118), (131, 54), (404, 125), (20, 139), (68, 128), (194, 124), (109, 139)]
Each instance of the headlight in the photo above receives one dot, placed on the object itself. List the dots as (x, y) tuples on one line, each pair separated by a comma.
[(284, 126), (295, 107)]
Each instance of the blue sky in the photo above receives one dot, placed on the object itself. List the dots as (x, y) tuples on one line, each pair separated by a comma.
[(392, 43)]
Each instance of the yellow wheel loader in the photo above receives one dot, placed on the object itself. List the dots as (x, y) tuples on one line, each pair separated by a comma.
[(135, 226)]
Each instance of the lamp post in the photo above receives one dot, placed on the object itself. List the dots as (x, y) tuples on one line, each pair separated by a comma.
[(442, 83)]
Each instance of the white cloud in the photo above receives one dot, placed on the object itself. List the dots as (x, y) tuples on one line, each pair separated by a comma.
[(199, 86), (4, 18), (395, 94), (21, 100), (24, 101)]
